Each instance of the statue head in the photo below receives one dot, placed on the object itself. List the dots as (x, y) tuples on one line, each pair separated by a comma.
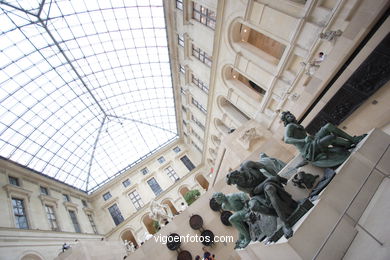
[(287, 117), (219, 197), (234, 177)]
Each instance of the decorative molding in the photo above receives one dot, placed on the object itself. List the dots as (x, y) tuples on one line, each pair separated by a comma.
[(71, 206), (17, 191), (109, 203), (49, 200), (88, 210), (249, 136)]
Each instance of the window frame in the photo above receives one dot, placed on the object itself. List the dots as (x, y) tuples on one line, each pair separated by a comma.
[(50, 215), (23, 213), (155, 187), (74, 220), (106, 196), (126, 183), (204, 15), (116, 214), (136, 199), (171, 174)]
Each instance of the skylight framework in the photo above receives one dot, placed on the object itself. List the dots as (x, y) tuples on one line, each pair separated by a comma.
[(85, 87)]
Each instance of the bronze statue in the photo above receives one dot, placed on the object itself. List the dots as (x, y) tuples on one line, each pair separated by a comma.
[(236, 202), (261, 182), (329, 147), (255, 173)]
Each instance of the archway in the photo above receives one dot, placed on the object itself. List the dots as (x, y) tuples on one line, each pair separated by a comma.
[(148, 222), (128, 235), (202, 181), (233, 112), (221, 126), (171, 206), (254, 42), (183, 190), (31, 256)]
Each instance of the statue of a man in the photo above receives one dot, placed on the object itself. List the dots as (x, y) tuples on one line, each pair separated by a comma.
[(160, 212), (327, 148), (236, 202), (268, 195), (251, 173)]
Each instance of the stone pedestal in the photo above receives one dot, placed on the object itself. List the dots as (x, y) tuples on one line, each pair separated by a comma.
[(330, 227)]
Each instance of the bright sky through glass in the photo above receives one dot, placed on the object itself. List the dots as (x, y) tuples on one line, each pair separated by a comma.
[(85, 87)]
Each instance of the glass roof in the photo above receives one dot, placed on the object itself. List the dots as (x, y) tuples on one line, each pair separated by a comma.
[(85, 87)]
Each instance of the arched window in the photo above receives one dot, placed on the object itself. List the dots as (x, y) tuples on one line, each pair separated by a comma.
[(148, 222), (171, 206), (202, 181), (128, 235), (233, 112)]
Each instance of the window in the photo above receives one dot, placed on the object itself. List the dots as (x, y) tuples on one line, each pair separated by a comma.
[(184, 123), (20, 213), (84, 203), (199, 106), (182, 91), (180, 40), (198, 123), (179, 4), (107, 195), (155, 186), (145, 171), (161, 159), (75, 222), (196, 146), (187, 162), (203, 15), (202, 56), (44, 190), (116, 214), (177, 149), (136, 199), (171, 173), (182, 69), (51, 216), (93, 225), (66, 197), (200, 84), (184, 108), (196, 135), (126, 183), (13, 181)]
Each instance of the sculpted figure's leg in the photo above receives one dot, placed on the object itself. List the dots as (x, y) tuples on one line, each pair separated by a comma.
[(237, 220), (257, 206), (282, 211), (332, 129)]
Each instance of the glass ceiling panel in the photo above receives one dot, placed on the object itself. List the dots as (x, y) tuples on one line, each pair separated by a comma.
[(85, 87)]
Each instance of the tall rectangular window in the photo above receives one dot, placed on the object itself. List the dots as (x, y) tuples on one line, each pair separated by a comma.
[(203, 15), (196, 146), (179, 4), (199, 106), (136, 199), (75, 222), (197, 122), (116, 214), (93, 225), (201, 55), (180, 40), (51, 216), (171, 173), (20, 213), (187, 162), (182, 69), (200, 84), (13, 180), (155, 186)]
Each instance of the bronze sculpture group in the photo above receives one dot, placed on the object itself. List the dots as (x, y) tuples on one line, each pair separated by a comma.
[(263, 209)]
